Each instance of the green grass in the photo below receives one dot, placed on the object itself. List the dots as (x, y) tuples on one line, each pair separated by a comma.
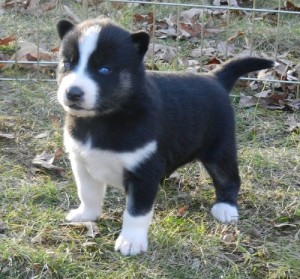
[(38, 243)]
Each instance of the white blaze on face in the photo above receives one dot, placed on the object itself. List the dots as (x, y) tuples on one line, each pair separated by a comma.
[(87, 43)]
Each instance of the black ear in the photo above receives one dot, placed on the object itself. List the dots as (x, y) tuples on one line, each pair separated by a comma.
[(63, 27), (141, 41)]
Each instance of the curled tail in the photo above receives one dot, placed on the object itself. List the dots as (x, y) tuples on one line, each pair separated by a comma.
[(229, 72)]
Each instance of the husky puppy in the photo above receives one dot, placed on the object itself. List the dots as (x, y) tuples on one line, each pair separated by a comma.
[(131, 128)]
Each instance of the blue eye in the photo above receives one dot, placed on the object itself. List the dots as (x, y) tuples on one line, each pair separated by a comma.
[(104, 70), (67, 65)]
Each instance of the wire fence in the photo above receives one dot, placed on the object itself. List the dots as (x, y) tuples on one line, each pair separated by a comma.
[(178, 29)]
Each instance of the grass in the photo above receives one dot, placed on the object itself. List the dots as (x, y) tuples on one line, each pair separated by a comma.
[(185, 241)]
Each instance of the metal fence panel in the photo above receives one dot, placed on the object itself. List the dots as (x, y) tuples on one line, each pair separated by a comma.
[(40, 28)]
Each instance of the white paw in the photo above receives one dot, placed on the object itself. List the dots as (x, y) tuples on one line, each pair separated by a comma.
[(80, 215), (131, 243), (225, 212)]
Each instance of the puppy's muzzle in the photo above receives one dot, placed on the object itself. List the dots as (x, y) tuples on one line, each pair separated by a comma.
[(74, 94), (75, 97)]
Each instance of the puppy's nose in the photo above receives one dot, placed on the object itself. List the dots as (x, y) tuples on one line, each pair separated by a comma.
[(74, 93)]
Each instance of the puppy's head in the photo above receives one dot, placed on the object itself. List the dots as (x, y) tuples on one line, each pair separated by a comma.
[(100, 65)]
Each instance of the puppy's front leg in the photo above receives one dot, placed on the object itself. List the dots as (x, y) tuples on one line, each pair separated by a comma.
[(90, 192), (137, 217), (133, 238)]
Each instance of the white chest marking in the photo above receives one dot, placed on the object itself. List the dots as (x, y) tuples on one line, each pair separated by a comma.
[(107, 166)]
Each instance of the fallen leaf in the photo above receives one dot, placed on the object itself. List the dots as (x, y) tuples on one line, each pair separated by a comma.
[(245, 52), (289, 6), (265, 74), (89, 244), (148, 18), (228, 238), (283, 60), (263, 94), (190, 30), (168, 32), (225, 49), (214, 61), (117, 6), (31, 7), (91, 227), (273, 107), (38, 239), (138, 18), (247, 101), (171, 20), (55, 49), (5, 41), (198, 52), (30, 52), (225, 3), (281, 70), (9, 3), (50, 5), (45, 161), (194, 13), (39, 56), (58, 153), (7, 136), (293, 104), (42, 135), (163, 52), (19, 5), (282, 225), (236, 35), (277, 98), (182, 211), (292, 124)]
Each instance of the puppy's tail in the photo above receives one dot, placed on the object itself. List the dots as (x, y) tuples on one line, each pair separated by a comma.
[(229, 72)]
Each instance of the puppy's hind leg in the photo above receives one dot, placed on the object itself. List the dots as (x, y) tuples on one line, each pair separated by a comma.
[(222, 167), (90, 192)]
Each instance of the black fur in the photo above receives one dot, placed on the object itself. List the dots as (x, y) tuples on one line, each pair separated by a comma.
[(189, 116)]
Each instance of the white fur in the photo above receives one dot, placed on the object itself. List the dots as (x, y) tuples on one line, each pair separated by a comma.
[(104, 165), (90, 192), (89, 87), (133, 238), (225, 212), (95, 168), (132, 159), (87, 44)]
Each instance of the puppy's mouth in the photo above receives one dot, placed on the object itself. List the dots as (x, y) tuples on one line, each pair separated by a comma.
[(75, 107), (78, 110), (78, 106)]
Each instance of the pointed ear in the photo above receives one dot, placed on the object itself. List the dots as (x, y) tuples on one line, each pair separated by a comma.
[(63, 27), (141, 41)]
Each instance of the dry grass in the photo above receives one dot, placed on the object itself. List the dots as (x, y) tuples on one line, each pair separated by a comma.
[(37, 243)]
